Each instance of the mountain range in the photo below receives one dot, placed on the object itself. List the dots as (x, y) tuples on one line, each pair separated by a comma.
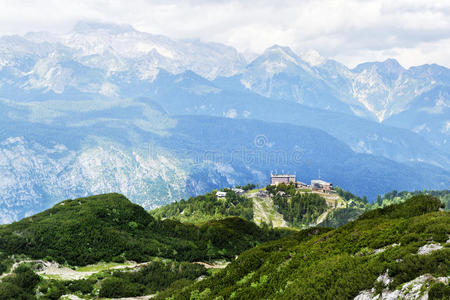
[(107, 108)]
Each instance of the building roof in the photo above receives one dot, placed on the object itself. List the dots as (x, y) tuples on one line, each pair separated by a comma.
[(282, 175), (319, 181)]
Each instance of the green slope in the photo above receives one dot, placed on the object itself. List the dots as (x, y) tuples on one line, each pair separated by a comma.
[(207, 207), (339, 264), (297, 208), (110, 228)]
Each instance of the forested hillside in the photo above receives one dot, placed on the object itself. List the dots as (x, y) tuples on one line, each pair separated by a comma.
[(391, 246), (110, 228), (206, 207), (399, 197), (396, 247), (297, 207)]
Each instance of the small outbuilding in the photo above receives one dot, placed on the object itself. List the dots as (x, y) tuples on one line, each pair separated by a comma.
[(238, 192), (221, 195), (320, 185)]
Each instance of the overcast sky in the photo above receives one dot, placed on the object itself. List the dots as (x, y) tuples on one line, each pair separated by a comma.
[(414, 32)]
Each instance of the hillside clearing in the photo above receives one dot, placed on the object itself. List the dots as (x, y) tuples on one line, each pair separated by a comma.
[(265, 212)]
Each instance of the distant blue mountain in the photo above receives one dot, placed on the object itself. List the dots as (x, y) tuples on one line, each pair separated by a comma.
[(106, 108), (428, 115)]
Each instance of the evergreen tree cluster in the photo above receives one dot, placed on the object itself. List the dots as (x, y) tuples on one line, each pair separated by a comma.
[(300, 209), (207, 207), (110, 228), (320, 263)]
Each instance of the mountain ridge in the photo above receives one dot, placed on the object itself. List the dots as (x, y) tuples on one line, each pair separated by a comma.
[(353, 91), (402, 249), (180, 157), (328, 264), (120, 94), (109, 226)]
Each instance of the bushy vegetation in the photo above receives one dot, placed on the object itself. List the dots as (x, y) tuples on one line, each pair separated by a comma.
[(300, 209), (207, 207), (328, 264), (395, 197), (150, 279), (348, 196), (247, 187), (20, 285), (357, 205), (54, 289), (5, 262), (153, 277), (341, 216), (288, 189), (439, 290), (317, 263), (111, 228), (414, 206)]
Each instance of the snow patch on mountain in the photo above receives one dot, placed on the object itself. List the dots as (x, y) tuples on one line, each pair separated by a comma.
[(109, 89), (231, 113), (111, 54), (313, 58), (110, 46), (446, 128)]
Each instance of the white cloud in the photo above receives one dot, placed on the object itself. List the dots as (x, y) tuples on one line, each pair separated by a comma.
[(231, 113), (413, 31)]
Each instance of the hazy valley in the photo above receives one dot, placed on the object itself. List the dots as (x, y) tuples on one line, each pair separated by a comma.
[(106, 108)]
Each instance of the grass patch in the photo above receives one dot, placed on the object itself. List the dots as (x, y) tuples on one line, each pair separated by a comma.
[(102, 266)]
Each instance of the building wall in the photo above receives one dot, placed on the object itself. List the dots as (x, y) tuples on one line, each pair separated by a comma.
[(277, 180), (281, 179), (321, 185)]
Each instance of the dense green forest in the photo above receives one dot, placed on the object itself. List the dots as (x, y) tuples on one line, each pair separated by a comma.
[(301, 208), (316, 263), (20, 285), (357, 205), (348, 196), (328, 264), (150, 279), (111, 228), (341, 216), (398, 197), (207, 207)]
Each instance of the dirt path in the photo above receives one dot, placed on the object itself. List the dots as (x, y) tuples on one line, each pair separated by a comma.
[(15, 265), (259, 211), (56, 271), (322, 217), (75, 297), (212, 266)]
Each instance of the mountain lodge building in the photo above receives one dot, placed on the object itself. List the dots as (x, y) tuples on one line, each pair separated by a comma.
[(281, 178), (320, 185)]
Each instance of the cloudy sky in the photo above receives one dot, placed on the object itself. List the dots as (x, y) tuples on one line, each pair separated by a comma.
[(414, 32)]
